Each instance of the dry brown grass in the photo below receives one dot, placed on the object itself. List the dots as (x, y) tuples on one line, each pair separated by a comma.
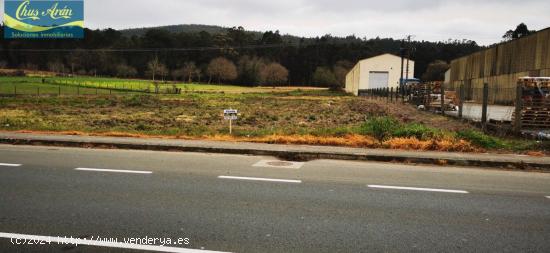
[(432, 145), (536, 154), (356, 141)]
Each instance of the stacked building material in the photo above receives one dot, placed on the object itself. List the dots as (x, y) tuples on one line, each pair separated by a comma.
[(535, 113)]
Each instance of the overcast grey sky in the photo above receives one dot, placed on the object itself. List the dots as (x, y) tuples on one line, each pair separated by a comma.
[(483, 20)]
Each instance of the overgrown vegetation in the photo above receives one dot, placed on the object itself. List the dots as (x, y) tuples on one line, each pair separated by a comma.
[(383, 128), (481, 139), (298, 117)]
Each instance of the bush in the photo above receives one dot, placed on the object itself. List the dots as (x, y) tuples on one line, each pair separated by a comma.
[(418, 131), (480, 139), (380, 128)]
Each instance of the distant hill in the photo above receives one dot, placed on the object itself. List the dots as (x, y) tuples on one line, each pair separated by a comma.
[(189, 28), (194, 28)]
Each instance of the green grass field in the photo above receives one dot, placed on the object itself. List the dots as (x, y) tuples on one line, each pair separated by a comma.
[(89, 85)]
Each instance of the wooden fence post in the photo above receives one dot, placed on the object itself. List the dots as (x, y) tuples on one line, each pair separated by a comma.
[(519, 109), (428, 97), (442, 98), (391, 94), (484, 106), (397, 90)]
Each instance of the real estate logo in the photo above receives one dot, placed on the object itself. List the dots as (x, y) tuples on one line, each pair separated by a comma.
[(43, 19)]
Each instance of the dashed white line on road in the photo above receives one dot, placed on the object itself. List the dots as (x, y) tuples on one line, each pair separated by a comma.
[(416, 189), (262, 179), (10, 164), (115, 171), (76, 241)]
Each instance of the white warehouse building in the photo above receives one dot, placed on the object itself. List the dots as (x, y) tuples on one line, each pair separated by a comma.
[(377, 72)]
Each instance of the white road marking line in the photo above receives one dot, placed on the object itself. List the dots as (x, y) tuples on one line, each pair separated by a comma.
[(416, 189), (262, 179), (548, 197), (120, 245), (10, 164), (115, 171), (278, 164)]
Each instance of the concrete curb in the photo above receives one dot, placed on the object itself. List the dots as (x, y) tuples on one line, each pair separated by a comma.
[(287, 152)]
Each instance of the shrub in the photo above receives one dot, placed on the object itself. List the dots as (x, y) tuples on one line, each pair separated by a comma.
[(418, 131), (480, 139), (380, 128)]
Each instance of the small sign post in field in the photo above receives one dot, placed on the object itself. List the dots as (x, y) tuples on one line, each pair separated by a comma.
[(230, 115)]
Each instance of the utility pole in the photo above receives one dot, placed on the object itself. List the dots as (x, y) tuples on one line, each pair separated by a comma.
[(408, 55), (402, 54)]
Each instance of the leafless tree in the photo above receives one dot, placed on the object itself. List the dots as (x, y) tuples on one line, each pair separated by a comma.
[(123, 70), (189, 71), (76, 59), (222, 69), (155, 67), (274, 74), (56, 67)]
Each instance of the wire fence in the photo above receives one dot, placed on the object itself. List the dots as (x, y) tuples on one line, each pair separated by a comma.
[(531, 103), (60, 88)]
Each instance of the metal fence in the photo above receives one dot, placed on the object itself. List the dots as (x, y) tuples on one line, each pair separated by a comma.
[(24, 89), (532, 104)]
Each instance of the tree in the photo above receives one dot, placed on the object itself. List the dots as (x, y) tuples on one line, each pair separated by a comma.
[(249, 70), (163, 71), (239, 36), (273, 74), (76, 59), (520, 31), (301, 56), (221, 69), (177, 74), (189, 71), (56, 67), (436, 71), (123, 70), (323, 76), (341, 69), (155, 67)]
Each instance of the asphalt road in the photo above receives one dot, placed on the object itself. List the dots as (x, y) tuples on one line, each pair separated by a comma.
[(225, 203)]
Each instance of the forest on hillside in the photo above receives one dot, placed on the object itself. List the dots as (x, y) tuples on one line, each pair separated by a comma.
[(236, 56)]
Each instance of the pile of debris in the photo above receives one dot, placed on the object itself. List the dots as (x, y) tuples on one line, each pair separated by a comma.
[(427, 96)]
